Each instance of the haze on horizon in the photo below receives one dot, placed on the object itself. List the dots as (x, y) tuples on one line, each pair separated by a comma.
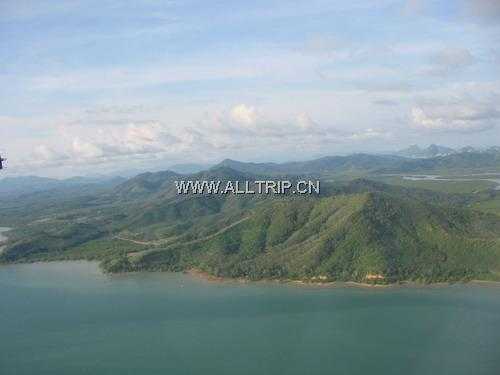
[(96, 86)]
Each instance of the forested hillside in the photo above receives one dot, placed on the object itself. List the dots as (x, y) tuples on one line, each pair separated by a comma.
[(357, 230)]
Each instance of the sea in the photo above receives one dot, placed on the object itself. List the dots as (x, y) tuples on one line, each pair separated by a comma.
[(68, 318)]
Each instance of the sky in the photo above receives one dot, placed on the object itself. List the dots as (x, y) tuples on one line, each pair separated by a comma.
[(97, 87)]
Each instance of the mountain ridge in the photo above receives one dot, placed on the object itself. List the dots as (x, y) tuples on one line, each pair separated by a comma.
[(361, 231)]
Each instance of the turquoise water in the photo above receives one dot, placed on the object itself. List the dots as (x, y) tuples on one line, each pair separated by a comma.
[(68, 318)]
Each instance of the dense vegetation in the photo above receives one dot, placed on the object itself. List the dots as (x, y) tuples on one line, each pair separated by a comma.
[(358, 229)]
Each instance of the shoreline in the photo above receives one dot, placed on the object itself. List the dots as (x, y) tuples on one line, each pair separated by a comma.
[(3, 237), (207, 277)]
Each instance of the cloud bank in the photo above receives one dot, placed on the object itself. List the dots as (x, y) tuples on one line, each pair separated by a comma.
[(241, 128)]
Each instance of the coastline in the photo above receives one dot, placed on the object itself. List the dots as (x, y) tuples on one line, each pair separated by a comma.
[(485, 282), (205, 276), (3, 237)]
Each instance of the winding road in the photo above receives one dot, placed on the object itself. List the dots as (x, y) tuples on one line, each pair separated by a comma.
[(168, 239)]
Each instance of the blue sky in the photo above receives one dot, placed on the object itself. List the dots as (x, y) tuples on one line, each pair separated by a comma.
[(97, 86)]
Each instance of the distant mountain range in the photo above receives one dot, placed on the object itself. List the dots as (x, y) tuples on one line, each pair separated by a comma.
[(446, 160), (433, 150), (355, 163), (15, 186), (433, 159)]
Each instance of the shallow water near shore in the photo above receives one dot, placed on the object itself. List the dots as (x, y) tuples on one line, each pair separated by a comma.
[(69, 318)]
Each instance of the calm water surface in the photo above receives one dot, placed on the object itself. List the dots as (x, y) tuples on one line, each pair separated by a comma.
[(68, 318)]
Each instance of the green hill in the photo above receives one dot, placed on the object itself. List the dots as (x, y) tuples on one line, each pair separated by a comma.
[(361, 231), (360, 237)]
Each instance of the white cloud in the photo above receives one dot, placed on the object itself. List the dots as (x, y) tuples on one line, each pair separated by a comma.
[(304, 122), (455, 117), (86, 150), (370, 133), (46, 153), (243, 114), (241, 128)]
